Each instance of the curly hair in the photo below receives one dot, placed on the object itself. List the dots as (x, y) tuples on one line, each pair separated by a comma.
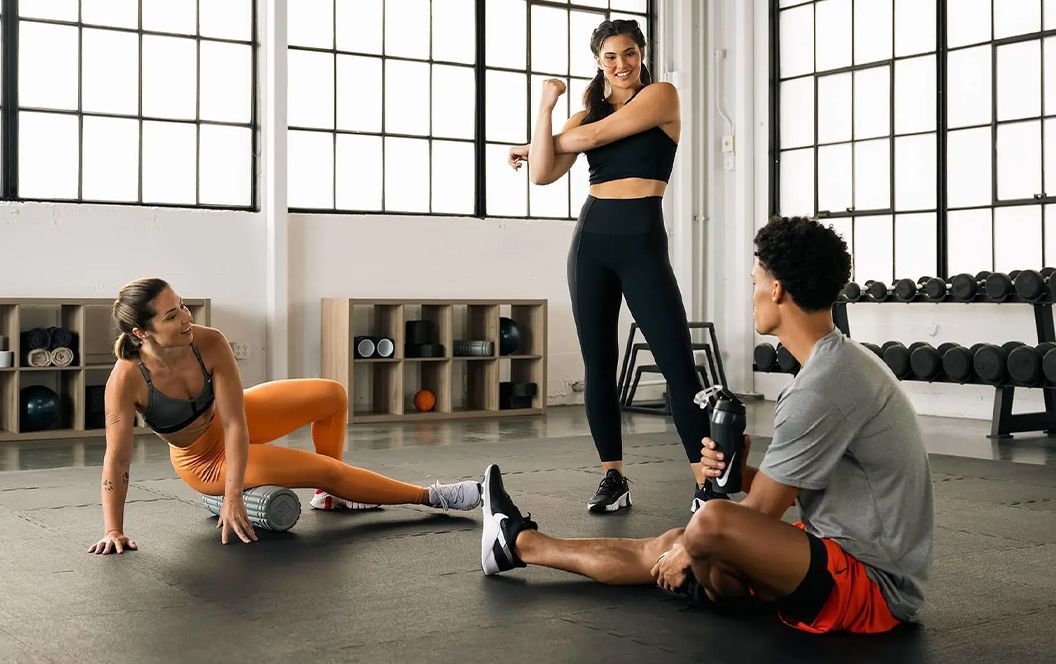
[(810, 260)]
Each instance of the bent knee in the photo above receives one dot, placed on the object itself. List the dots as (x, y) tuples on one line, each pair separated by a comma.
[(708, 527)]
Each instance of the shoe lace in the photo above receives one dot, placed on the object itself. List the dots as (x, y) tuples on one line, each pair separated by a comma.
[(611, 483), (441, 492)]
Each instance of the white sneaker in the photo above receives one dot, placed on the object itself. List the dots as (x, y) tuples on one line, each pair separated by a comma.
[(458, 496), (325, 501)]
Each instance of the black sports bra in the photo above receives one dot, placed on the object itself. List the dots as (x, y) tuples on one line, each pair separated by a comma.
[(649, 154), (165, 414)]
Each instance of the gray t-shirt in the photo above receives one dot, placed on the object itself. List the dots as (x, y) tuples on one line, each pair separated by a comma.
[(847, 436)]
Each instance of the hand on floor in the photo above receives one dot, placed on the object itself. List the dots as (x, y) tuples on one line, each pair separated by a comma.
[(233, 517), (113, 542)]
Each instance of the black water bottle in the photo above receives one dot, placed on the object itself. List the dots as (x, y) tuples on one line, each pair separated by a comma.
[(728, 420)]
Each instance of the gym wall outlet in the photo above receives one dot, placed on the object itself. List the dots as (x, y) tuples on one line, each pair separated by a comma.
[(240, 350)]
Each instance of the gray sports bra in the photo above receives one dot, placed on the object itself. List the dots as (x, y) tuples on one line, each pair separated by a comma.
[(165, 414)]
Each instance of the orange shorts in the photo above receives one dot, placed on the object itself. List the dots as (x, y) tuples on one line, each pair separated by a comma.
[(855, 603)]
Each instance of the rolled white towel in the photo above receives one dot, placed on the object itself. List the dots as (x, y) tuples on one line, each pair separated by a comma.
[(38, 357), (61, 356)]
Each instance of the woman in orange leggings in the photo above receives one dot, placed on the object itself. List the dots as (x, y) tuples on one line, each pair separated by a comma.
[(184, 381)]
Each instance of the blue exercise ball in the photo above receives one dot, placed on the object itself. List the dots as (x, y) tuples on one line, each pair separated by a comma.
[(39, 407), (509, 336)]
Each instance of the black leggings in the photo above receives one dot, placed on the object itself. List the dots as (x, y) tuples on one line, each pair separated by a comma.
[(620, 248)]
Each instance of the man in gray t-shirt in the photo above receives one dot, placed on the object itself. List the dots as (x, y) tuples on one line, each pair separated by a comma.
[(846, 449)]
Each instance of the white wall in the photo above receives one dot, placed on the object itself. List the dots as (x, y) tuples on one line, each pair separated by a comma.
[(69, 250)]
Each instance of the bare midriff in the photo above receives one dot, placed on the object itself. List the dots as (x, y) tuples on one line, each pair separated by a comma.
[(191, 432), (628, 188)]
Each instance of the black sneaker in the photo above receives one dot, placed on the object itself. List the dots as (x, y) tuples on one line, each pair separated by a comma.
[(703, 495), (613, 493), (502, 523)]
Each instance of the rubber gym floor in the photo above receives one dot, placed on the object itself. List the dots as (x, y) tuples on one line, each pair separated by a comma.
[(404, 583)]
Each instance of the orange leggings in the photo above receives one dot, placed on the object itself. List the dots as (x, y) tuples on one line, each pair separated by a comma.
[(274, 410)]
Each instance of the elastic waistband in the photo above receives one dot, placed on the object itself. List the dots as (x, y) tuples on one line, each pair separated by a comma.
[(619, 216)]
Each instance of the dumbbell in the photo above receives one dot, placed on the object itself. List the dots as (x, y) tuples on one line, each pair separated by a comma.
[(876, 290), (1033, 285), (1024, 364), (786, 361), (765, 357), (999, 285), (926, 361), (1048, 366), (957, 363), (964, 287), (905, 290), (896, 357), (852, 292), (934, 288), (874, 349), (990, 362)]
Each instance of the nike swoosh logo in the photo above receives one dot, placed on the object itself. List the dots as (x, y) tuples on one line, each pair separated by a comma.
[(721, 481)]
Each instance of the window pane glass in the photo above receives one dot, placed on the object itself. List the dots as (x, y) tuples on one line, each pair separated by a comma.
[(454, 95), (637, 6), (872, 175), (225, 170), (549, 200), (1050, 229), (969, 24), (845, 229), (226, 19), (47, 66), (872, 102), (407, 28), (179, 16), (915, 254), (1019, 80), (872, 30), (118, 13), (407, 97), (797, 112), (577, 86), (507, 188), (914, 27), (873, 249), (170, 77), (549, 35), (453, 179), (1017, 238), (1050, 76), (581, 27), (915, 92), (310, 89), (169, 157), (915, 175), (797, 41), (797, 183), (834, 108), (1050, 156), (507, 121), (111, 160), (968, 79), (48, 152), (506, 33), (406, 172), (310, 175), (226, 82), (834, 178), (968, 167), (1049, 11), (359, 25), (833, 45), (454, 31), (310, 23), (1018, 160), (970, 241), (359, 172), (358, 93), (110, 72), (60, 10), (1016, 17)]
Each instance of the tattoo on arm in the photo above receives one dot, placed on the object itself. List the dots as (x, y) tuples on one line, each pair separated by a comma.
[(108, 485), (124, 477), (113, 416)]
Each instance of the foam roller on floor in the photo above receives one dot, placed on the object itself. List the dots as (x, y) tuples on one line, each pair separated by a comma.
[(269, 507)]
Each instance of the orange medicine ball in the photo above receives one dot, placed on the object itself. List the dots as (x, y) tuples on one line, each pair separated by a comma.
[(424, 401)]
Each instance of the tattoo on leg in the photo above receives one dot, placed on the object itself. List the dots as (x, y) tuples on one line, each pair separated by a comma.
[(108, 485), (124, 477)]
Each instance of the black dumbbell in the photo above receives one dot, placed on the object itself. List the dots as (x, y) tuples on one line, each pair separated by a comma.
[(1048, 366), (896, 357), (1033, 285), (765, 357), (905, 290), (999, 286), (926, 361), (934, 288), (957, 363), (990, 361), (1024, 364), (965, 288), (852, 292), (786, 361), (874, 349), (876, 290)]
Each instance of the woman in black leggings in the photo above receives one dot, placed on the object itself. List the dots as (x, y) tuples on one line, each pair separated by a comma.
[(620, 243)]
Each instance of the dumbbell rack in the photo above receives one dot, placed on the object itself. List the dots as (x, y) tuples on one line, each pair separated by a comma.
[(1004, 423)]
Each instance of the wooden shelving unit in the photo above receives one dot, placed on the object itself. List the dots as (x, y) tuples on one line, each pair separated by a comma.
[(89, 319), (382, 390)]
